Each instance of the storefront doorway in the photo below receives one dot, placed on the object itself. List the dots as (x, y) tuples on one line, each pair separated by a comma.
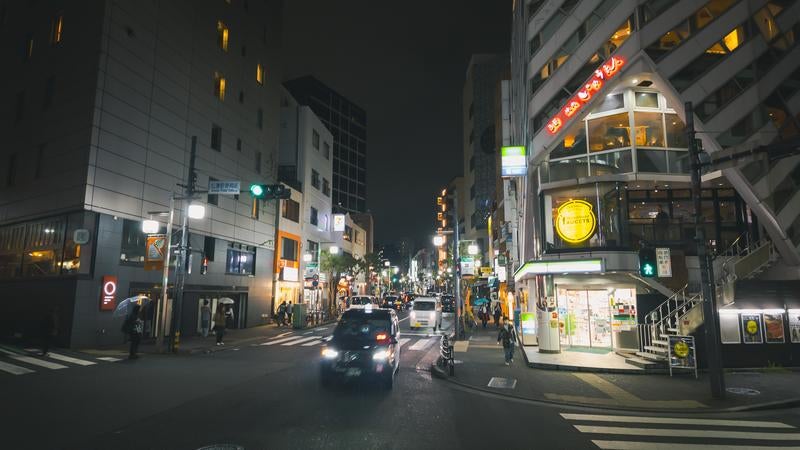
[(584, 318)]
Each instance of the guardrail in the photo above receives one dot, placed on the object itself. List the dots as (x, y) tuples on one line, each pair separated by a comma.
[(446, 354)]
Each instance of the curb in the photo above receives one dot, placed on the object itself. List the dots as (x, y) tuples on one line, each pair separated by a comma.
[(437, 372)]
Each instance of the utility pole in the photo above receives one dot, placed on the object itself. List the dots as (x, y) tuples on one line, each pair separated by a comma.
[(459, 331), (276, 275), (183, 260), (713, 350), (165, 276)]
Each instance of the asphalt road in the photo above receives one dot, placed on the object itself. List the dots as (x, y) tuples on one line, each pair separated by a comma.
[(267, 395)]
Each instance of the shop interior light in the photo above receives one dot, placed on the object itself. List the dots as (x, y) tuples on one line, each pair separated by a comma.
[(333, 250), (196, 211), (754, 311)]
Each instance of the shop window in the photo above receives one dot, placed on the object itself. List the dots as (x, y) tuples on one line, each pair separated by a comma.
[(573, 144), (654, 161), (12, 246), (291, 210), (611, 163), (240, 260), (606, 210), (679, 162), (610, 132), (288, 249), (647, 99), (676, 131), (133, 242), (649, 129)]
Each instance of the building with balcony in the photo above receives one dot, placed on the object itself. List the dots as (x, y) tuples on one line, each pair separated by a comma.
[(598, 98)]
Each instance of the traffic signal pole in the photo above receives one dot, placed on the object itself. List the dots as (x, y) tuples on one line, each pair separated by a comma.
[(713, 348), (181, 268)]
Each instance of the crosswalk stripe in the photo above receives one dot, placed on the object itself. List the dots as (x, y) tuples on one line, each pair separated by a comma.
[(39, 362), (674, 421), (280, 341), (299, 340), (109, 359), (309, 344), (625, 445), (281, 335), (12, 369), (69, 359), (687, 433), (402, 342), (421, 344)]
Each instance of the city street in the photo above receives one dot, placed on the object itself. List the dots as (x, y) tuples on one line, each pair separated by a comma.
[(266, 395)]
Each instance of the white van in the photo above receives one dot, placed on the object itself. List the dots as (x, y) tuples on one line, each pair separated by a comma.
[(426, 312), (361, 301)]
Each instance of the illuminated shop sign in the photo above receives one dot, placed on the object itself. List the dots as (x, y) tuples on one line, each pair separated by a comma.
[(592, 86), (108, 298), (559, 267), (575, 221), (514, 162)]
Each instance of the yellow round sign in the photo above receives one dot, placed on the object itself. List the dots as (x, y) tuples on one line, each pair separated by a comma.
[(751, 327), (680, 349), (575, 221)]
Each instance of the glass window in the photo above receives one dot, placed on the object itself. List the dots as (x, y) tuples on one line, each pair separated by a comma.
[(651, 161), (573, 144), (326, 187), (679, 162), (676, 131), (647, 99), (216, 137), (611, 163), (133, 242), (612, 101), (12, 240), (291, 210), (288, 249), (609, 132), (57, 29), (240, 260), (259, 74), (313, 217), (222, 35), (711, 11), (219, 85), (649, 130), (315, 139), (668, 41), (315, 178), (766, 24)]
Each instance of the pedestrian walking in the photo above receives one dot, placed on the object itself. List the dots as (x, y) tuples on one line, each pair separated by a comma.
[(49, 329), (205, 318), (289, 313), (497, 313), (484, 313), (133, 327), (508, 337), (219, 323), (282, 314)]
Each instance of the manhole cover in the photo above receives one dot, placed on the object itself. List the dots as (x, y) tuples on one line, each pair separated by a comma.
[(502, 383), (743, 391)]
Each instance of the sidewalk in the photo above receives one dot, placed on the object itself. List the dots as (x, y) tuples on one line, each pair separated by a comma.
[(480, 365), (198, 344)]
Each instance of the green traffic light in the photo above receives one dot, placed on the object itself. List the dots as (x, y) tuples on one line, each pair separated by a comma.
[(647, 270), (256, 190)]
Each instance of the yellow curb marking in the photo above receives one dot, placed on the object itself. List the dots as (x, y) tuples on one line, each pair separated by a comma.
[(461, 346), (606, 387)]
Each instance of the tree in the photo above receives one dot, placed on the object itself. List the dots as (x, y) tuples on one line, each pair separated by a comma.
[(335, 266)]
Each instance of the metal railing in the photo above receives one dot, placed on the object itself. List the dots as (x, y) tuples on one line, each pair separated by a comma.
[(446, 355)]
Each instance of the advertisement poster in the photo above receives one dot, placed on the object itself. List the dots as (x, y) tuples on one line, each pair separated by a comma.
[(681, 352), (751, 328), (773, 328), (794, 326), (155, 247)]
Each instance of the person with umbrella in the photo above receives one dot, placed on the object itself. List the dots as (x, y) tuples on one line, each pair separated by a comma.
[(133, 326)]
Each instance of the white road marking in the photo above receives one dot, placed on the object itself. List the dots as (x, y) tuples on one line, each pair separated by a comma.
[(109, 359), (12, 369), (39, 362), (300, 340), (674, 420), (279, 341), (320, 328), (69, 359), (306, 334), (403, 319), (421, 344), (402, 342), (281, 335), (309, 344), (718, 434), (624, 445)]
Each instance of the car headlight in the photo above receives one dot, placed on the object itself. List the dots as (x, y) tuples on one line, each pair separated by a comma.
[(329, 353), (380, 355)]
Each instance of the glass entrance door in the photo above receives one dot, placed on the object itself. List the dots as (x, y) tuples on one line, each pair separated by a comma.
[(599, 318), (586, 318)]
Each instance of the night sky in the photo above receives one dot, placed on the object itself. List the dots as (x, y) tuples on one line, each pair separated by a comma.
[(404, 63)]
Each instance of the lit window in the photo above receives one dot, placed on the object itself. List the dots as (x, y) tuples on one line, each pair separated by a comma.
[(57, 29), (29, 47), (222, 35), (734, 39), (259, 74), (219, 86)]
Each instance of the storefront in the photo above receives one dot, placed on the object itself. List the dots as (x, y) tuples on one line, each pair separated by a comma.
[(597, 318), (287, 267)]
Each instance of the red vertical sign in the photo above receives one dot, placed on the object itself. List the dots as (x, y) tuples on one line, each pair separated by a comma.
[(108, 293)]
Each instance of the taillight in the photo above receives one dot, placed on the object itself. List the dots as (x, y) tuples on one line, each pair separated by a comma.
[(382, 338)]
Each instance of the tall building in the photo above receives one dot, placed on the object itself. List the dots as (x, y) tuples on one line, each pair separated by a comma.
[(108, 100), (348, 124), (598, 95), (484, 73)]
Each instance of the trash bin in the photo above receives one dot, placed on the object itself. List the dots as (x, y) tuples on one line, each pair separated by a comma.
[(299, 312)]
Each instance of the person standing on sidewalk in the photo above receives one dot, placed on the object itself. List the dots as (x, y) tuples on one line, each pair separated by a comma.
[(49, 329), (282, 313), (219, 324), (484, 312), (205, 318), (133, 327), (289, 313), (497, 313), (509, 338)]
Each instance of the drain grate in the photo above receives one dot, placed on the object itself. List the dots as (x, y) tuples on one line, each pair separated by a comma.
[(743, 391), (502, 383)]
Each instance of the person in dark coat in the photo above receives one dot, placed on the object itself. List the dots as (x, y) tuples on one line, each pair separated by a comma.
[(49, 329), (134, 327), (220, 322), (508, 337), (497, 313)]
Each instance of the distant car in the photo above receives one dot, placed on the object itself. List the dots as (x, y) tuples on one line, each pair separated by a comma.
[(426, 312), (360, 301), (448, 303), (392, 302), (363, 346)]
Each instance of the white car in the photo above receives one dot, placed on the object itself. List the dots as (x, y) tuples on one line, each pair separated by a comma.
[(426, 312), (360, 301)]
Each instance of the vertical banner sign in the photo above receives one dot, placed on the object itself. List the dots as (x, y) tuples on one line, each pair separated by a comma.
[(154, 252), (108, 293), (338, 222), (663, 262), (513, 162)]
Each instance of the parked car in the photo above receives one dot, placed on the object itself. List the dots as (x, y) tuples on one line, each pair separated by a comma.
[(363, 346)]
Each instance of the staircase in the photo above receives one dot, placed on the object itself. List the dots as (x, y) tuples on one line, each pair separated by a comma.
[(681, 314)]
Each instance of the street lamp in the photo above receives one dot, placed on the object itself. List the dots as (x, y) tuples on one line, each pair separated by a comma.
[(438, 241), (395, 269), (150, 226), (386, 264), (196, 211)]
